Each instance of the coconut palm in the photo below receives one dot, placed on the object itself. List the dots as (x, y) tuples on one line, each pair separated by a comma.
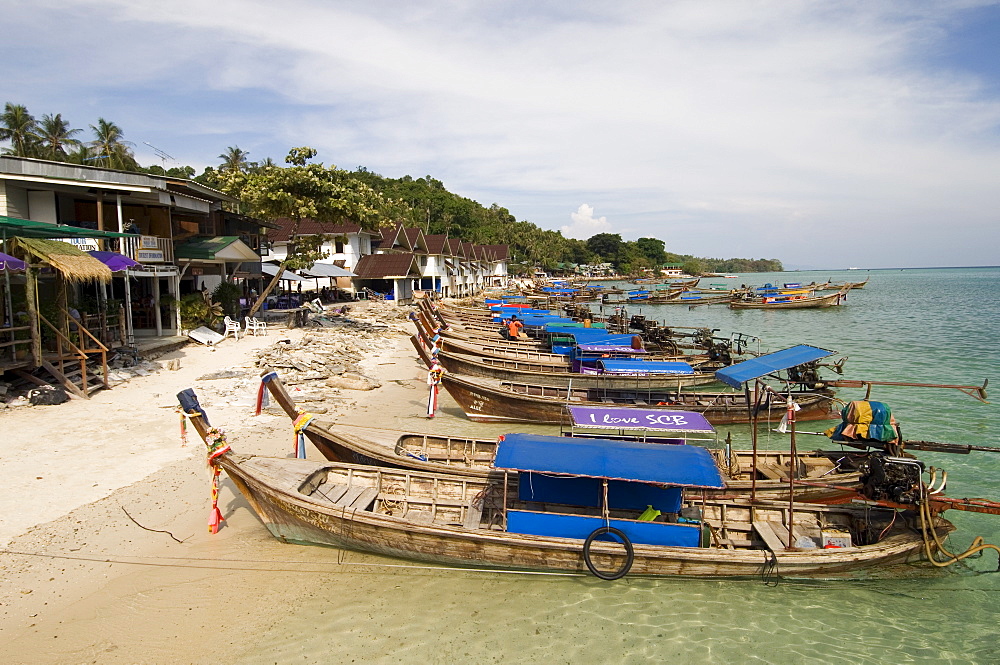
[(111, 147), (233, 159), (19, 127), (56, 137)]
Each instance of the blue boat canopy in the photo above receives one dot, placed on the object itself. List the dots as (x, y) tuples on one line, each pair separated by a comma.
[(683, 466), (640, 366), (748, 370)]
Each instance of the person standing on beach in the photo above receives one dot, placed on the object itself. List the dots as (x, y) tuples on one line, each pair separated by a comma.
[(434, 377)]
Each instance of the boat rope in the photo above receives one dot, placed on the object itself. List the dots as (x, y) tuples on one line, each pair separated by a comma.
[(311, 568), (978, 544), (769, 575)]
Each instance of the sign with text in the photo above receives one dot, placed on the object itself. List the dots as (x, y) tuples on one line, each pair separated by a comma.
[(83, 244), (646, 419), (149, 255), (149, 242)]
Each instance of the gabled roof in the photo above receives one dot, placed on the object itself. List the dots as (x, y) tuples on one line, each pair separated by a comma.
[(455, 247), (415, 239), (310, 227), (500, 252), (387, 266), (437, 243)]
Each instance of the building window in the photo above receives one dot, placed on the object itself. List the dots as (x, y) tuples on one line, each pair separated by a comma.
[(338, 246)]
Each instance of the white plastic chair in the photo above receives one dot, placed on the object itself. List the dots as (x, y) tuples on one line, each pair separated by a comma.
[(255, 326), (232, 327)]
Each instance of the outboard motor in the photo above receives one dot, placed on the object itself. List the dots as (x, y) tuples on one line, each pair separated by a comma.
[(890, 478)]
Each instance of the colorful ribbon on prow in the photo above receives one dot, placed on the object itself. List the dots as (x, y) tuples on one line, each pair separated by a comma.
[(300, 424), (215, 439), (262, 396)]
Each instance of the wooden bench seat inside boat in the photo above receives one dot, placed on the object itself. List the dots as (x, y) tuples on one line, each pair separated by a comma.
[(353, 497)]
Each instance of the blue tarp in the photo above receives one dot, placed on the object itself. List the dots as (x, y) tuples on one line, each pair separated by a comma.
[(639, 366), (687, 466), (748, 370)]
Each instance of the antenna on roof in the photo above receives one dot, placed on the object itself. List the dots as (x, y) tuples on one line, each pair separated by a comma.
[(161, 154)]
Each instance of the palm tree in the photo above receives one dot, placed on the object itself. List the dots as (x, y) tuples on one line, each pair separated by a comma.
[(111, 147), (18, 126), (233, 159), (56, 136)]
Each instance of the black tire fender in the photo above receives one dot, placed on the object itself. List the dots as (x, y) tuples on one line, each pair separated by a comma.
[(629, 553)]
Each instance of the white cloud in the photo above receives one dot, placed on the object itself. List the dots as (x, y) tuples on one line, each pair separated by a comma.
[(767, 122), (584, 224)]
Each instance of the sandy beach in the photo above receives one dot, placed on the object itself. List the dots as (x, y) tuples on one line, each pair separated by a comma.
[(106, 555)]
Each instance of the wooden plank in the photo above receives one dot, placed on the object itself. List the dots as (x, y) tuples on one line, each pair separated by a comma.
[(364, 500), (770, 538), (772, 471), (350, 495), (334, 493), (473, 516)]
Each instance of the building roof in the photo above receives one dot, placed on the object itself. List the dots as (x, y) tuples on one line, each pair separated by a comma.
[(73, 264), (309, 227), (437, 243), (387, 266), (500, 252)]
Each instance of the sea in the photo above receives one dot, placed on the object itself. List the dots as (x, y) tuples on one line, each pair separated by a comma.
[(930, 326)]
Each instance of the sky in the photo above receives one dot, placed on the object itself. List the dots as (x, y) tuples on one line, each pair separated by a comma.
[(821, 133)]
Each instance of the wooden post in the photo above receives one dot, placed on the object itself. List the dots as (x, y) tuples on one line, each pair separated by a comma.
[(792, 467), (31, 303)]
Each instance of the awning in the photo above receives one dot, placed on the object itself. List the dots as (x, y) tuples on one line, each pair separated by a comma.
[(272, 270), (11, 227), (748, 370), (688, 466), (117, 262), (326, 270), (639, 419), (219, 248), (10, 263)]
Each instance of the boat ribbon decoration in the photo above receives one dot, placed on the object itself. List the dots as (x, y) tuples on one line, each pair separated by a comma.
[(262, 395), (300, 424), (217, 444)]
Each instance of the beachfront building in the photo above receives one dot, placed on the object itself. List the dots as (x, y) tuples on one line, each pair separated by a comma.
[(344, 246), (180, 233)]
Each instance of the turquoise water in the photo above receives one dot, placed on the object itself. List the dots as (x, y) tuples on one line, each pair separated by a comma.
[(932, 326)]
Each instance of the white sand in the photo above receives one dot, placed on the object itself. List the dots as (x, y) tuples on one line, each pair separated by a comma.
[(84, 583)]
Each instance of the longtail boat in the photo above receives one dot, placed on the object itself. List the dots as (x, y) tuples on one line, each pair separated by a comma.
[(493, 400), (569, 505), (765, 472), (790, 301)]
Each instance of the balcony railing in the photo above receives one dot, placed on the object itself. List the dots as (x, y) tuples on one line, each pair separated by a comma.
[(149, 249)]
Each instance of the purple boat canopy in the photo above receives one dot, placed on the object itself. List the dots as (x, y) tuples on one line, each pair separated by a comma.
[(117, 262), (643, 419), (608, 348), (8, 262)]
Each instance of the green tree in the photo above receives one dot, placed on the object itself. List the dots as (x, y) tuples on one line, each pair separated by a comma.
[(111, 148), (56, 137), (693, 267), (605, 245), (19, 127), (652, 249), (233, 159), (302, 191)]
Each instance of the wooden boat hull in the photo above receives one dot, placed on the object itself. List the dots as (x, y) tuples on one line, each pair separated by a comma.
[(555, 375), (485, 400), (818, 302), (435, 453), (432, 518)]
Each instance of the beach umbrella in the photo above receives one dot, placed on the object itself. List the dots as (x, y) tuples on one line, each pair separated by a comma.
[(8, 262)]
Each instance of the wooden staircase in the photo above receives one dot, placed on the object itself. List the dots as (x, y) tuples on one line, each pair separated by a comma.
[(81, 368)]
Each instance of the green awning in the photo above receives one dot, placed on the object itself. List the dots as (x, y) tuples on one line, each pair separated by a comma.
[(219, 248), (12, 227)]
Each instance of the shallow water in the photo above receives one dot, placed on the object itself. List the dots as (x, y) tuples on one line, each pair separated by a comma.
[(934, 326)]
